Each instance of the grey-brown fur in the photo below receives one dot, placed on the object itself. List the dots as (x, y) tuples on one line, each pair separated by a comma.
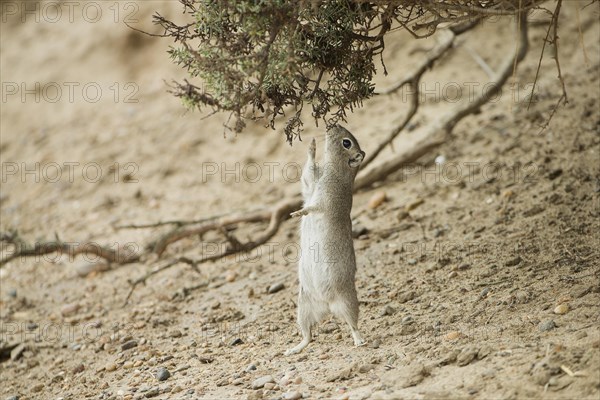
[(327, 265)]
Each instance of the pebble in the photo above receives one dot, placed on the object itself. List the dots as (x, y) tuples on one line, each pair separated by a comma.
[(452, 274), (129, 345), (484, 293), (365, 368), (78, 369), (547, 326), (411, 206), (295, 395), (152, 392), (269, 386), (13, 398), (162, 374), (236, 341), (260, 382), (275, 288), (375, 344), (467, 355), (358, 229), (453, 335), (561, 309), (377, 199), (513, 261), (37, 388), (231, 276), (388, 310), (176, 333), (69, 309), (12, 293), (555, 174), (110, 367), (87, 267), (251, 367)]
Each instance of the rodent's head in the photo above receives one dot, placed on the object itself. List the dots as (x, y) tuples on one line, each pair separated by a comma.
[(341, 145)]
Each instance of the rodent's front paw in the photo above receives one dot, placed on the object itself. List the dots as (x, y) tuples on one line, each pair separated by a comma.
[(312, 149), (298, 213)]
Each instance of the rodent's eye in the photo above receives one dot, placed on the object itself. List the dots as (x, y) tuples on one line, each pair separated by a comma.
[(347, 143)]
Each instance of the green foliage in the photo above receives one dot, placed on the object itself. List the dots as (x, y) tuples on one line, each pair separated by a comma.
[(261, 58)]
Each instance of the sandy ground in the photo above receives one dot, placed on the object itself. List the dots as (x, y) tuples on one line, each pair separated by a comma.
[(478, 277)]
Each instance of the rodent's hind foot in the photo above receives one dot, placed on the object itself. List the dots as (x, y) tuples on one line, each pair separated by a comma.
[(358, 340), (298, 348)]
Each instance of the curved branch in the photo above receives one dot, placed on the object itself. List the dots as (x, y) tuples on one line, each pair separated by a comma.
[(275, 216), (72, 249), (431, 138)]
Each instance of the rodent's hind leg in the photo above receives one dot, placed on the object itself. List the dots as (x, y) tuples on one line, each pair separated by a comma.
[(347, 310), (306, 318)]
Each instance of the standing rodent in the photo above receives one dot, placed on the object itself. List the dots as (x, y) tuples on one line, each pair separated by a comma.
[(327, 264)]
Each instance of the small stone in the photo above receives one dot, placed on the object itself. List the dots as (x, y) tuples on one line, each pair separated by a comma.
[(78, 369), (467, 355), (110, 367), (12, 293), (375, 344), (129, 345), (484, 293), (176, 333), (555, 174), (269, 386), (513, 261), (162, 374), (275, 288), (401, 215), (69, 309), (88, 267), (412, 261), (260, 382), (412, 205), (295, 395), (128, 365), (298, 380), (250, 368), (358, 229), (230, 276), (407, 296), (37, 388), (377, 199), (236, 342), (561, 309), (452, 274), (365, 368), (407, 320), (388, 310), (547, 326), (13, 398), (453, 335), (152, 392)]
